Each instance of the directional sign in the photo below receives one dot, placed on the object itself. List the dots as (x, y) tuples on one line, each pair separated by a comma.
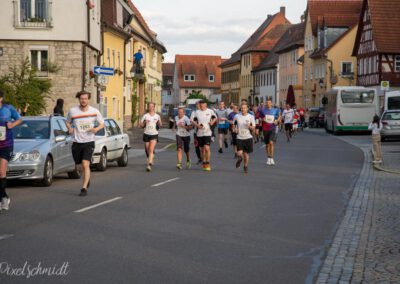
[(100, 70)]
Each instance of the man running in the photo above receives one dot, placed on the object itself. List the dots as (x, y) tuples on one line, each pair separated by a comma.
[(287, 117), (83, 123), (223, 126), (270, 117), (244, 123), (204, 119), (182, 127), (151, 122), (231, 117), (9, 118)]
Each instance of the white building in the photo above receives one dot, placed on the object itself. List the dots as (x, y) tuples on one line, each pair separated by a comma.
[(53, 34)]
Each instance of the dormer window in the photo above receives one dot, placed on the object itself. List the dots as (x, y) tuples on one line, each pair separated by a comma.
[(211, 78), (189, 78)]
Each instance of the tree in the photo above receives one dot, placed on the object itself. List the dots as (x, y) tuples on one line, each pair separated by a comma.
[(290, 99), (23, 87), (197, 95)]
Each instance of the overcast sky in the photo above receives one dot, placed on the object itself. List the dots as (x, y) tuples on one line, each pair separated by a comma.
[(210, 27)]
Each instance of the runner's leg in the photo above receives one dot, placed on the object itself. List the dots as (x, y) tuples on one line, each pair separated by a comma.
[(86, 173), (151, 147)]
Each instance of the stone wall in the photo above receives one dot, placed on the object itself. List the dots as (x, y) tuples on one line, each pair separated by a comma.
[(68, 56)]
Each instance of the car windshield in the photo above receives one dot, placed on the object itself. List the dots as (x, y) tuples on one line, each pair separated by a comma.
[(32, 129), (391, 116), (358, 97)]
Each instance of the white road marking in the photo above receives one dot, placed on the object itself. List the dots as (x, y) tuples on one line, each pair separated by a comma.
[(164, 182), (3, 237), (97, 205)]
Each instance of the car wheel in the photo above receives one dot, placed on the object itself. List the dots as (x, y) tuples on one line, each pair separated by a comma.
[(48, 172), (102, 165), (74, 174), (123, 160)]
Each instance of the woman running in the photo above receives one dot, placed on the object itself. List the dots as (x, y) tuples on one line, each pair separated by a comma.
[(244, 125), (151, 122)]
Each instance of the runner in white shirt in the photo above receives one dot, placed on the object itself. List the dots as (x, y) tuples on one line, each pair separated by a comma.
[(151, 122), (203, 120), (83, 123), (182, 127), (244, 125), (288, 115)]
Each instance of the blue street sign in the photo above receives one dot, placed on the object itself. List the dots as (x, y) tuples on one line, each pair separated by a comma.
[(100, 70)]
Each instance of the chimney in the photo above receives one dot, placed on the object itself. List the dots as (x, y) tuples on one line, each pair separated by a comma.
[(283, 10)]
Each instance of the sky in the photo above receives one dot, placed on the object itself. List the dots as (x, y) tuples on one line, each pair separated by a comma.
[(210, 27)]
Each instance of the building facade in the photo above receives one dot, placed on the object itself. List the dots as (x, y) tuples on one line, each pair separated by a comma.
[(168, 97), (64, 53)]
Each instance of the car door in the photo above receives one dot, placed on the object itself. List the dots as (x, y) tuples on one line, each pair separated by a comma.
[(110, 140), (58, 147), (118, 139), (67, 160)]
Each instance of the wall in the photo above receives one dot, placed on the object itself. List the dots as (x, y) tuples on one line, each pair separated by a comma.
[(231, 90)]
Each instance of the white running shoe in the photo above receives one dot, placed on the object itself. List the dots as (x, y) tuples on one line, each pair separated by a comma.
[(5, 203), (269, 162), (272, 162)]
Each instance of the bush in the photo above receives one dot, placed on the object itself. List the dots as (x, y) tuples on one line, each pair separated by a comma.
[(22, 88)]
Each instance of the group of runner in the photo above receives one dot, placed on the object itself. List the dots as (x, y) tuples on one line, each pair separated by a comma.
[(245, 125)]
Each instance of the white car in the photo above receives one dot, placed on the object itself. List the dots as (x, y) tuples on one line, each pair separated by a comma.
[(111, 146)]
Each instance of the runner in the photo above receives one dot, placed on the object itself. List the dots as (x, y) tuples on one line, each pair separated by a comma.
[(231, 117), (302, 120), (203, 119), (223, 126), (182, 127), (151, 122), (271, 119), (196, 141), (9, 118), (257, 124), (287, 117), (244, 124), (296, 118), (81, 123)]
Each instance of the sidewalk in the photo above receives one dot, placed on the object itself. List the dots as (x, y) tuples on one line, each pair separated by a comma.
[(391, 157), (366, 247)]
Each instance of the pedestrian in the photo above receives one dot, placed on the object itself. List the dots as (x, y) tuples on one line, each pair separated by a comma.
[(151, 122), (244, 124), (83, 122), (203, 120), (9, 118), (376, 127), (223, 126), (231, 117), (59, 108), (271, 118), (182, 127), (287, 117)]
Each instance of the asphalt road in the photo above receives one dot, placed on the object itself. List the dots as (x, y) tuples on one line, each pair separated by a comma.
[(272, 225)]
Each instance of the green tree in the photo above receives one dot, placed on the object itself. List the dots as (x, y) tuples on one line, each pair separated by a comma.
[(23, 87), (197, 95)]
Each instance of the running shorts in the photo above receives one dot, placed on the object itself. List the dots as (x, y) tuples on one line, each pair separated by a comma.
[(82, 151), (245, 145), (269, 136), (204, 140), (183, 143), (148, 138), (6, 153)]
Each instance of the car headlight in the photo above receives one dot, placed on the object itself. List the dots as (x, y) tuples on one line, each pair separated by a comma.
[(31, 156)]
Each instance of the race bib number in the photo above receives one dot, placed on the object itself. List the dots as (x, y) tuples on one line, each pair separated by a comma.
[(182, 132), (84, 126), (269, 119), (150, 126), (244, 132), (3, 133)]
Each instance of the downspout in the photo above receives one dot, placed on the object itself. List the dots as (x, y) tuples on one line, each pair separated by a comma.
[(85, 45), (331, 74)]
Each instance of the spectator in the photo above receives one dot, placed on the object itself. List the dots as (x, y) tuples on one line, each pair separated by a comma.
[(59, 108), (376, 127)]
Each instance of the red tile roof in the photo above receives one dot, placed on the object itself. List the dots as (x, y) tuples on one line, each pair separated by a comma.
[(168, 69), (385, 19), (201, 66), (334, 13)]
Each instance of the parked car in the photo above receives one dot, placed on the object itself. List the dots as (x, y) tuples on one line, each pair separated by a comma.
[(111, 146), (317, 117), (391, 124), (42, 149)]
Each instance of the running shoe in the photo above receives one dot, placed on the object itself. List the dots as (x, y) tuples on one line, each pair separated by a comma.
[(83, 192), (148, 168), (220, 151), (5, 203), (179, 166), (207, 168), (269, 162), (272, 162), (188, 164), (239, 162)]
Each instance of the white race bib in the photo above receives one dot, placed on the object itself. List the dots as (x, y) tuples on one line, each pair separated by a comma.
[(269, 119), (244, 132), (150, 126), (3, 133), (84, 126)]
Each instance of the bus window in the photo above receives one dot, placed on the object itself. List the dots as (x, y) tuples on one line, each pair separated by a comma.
[(349, 97), (394, 103)]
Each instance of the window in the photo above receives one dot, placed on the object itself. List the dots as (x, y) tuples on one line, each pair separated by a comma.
[(39, 59), (349, 97), (305, 73), (115, 128), (347, 68), (189, 78), (211, 78), (25, 9), (120, 15), (397, 63), (40, 9)]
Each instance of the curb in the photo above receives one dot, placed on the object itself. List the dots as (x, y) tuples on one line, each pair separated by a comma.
[(390, 171)]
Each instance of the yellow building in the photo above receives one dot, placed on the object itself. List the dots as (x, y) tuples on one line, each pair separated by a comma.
[(329, 37)]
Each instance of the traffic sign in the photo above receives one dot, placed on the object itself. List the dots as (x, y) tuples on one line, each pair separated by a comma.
[(102, 80), (100, 70), (385, 86)]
